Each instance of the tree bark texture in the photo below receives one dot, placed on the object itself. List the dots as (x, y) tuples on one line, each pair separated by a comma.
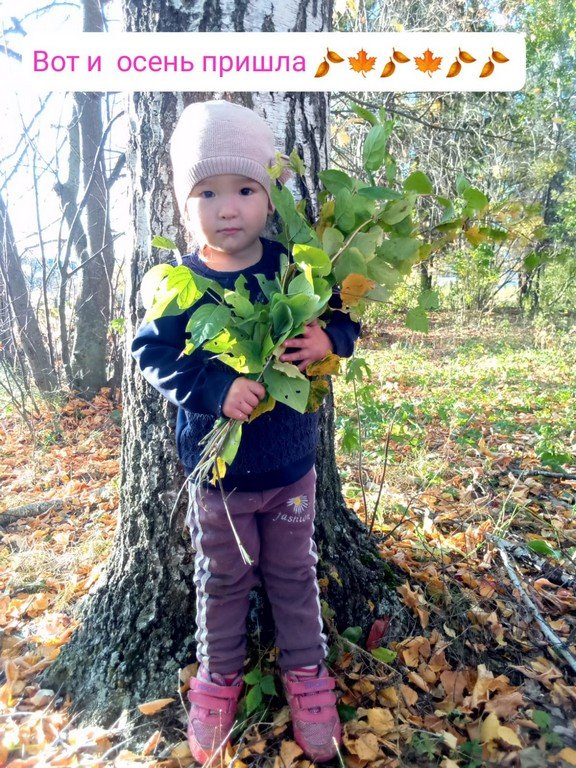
[(138, 628), (18, 295), (92, 313)]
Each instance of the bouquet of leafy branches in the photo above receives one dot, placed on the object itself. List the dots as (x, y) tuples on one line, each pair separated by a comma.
[(366, 241)]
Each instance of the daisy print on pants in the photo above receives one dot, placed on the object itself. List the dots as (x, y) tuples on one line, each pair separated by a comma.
[(299, 503)]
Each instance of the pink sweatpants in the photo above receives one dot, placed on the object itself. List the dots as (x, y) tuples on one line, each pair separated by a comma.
[(276, 528)]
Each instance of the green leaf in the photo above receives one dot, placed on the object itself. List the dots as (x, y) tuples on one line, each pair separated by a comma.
[(379, 193), (428, 299), (151, 281), (356, 369), (397, 249), (499, 235), (418, 182), (335, 180), (184, 281), (374, 149), (304, 308), (448, 205), (282, 319), (346, 713), (297, 228), (364, 114), (542, 547), (268, 686), (391, 170), (232, 443), (384, 654), (253, 677), (349, 441), (163, 242), (462, 184), (332, 240), (268, 287), (224, 342), (542, 719), (254, 699), (206, 322), (397, 211), (315, 257), (344, 210), (291, 392), (532, 261), (301, 284), (367, 242), (297, 163), (350, 262), (353, 634), (288, 369), (242, 307), (383, 274), (475, 198), (417, 320)]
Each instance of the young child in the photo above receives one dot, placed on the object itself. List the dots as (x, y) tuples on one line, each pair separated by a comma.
[(220, 154)]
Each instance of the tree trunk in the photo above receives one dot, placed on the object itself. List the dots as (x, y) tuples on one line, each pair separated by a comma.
[(138, 628), (26, 321), (93, 307)]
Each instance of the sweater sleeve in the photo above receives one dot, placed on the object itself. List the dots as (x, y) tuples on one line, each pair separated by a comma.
[(191, 381), (341, 329)]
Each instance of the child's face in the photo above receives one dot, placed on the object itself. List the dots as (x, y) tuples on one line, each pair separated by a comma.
[(228, 213)]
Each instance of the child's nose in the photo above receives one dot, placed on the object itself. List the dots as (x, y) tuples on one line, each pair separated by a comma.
[(228, 207)]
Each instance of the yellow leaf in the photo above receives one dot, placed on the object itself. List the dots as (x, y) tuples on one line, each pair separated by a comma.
[(474, 236), (181, 750), (319, 388), (328, 366), (509, 736), (449, 739), (409, 694), (151, 707), (568, 755), (219, 470), (365, 746), (380, 720), (289, 753), (489, 728), (353, 288), (263, 407), (448, 763), (418, 681)]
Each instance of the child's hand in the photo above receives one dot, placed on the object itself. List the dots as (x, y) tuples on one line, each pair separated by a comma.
[(243, 396), (314, 345)]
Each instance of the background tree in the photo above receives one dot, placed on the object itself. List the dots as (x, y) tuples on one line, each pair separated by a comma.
[(138, 629), (69, 268)]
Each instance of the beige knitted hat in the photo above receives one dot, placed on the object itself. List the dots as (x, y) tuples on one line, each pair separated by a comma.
[(216, 137)]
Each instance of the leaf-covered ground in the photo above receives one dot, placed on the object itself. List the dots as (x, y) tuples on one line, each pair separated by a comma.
[(467, 475)]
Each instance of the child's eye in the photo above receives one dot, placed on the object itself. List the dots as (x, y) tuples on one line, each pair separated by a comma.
[(206, 193), (246, 191)]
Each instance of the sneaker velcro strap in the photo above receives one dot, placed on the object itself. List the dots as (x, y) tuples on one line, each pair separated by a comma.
[(209, 702), (316, 700), (213, 696), (316, 684)]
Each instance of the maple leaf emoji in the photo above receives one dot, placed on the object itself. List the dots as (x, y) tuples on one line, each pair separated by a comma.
[(362, 62), (427, 62)]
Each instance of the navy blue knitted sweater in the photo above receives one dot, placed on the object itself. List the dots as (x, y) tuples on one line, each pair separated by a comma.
[(278, 447)]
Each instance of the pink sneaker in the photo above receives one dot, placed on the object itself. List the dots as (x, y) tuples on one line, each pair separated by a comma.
[(314, 715), (212, 714)]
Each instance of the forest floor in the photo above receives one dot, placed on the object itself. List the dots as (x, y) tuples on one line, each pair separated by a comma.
[(467, 476)]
